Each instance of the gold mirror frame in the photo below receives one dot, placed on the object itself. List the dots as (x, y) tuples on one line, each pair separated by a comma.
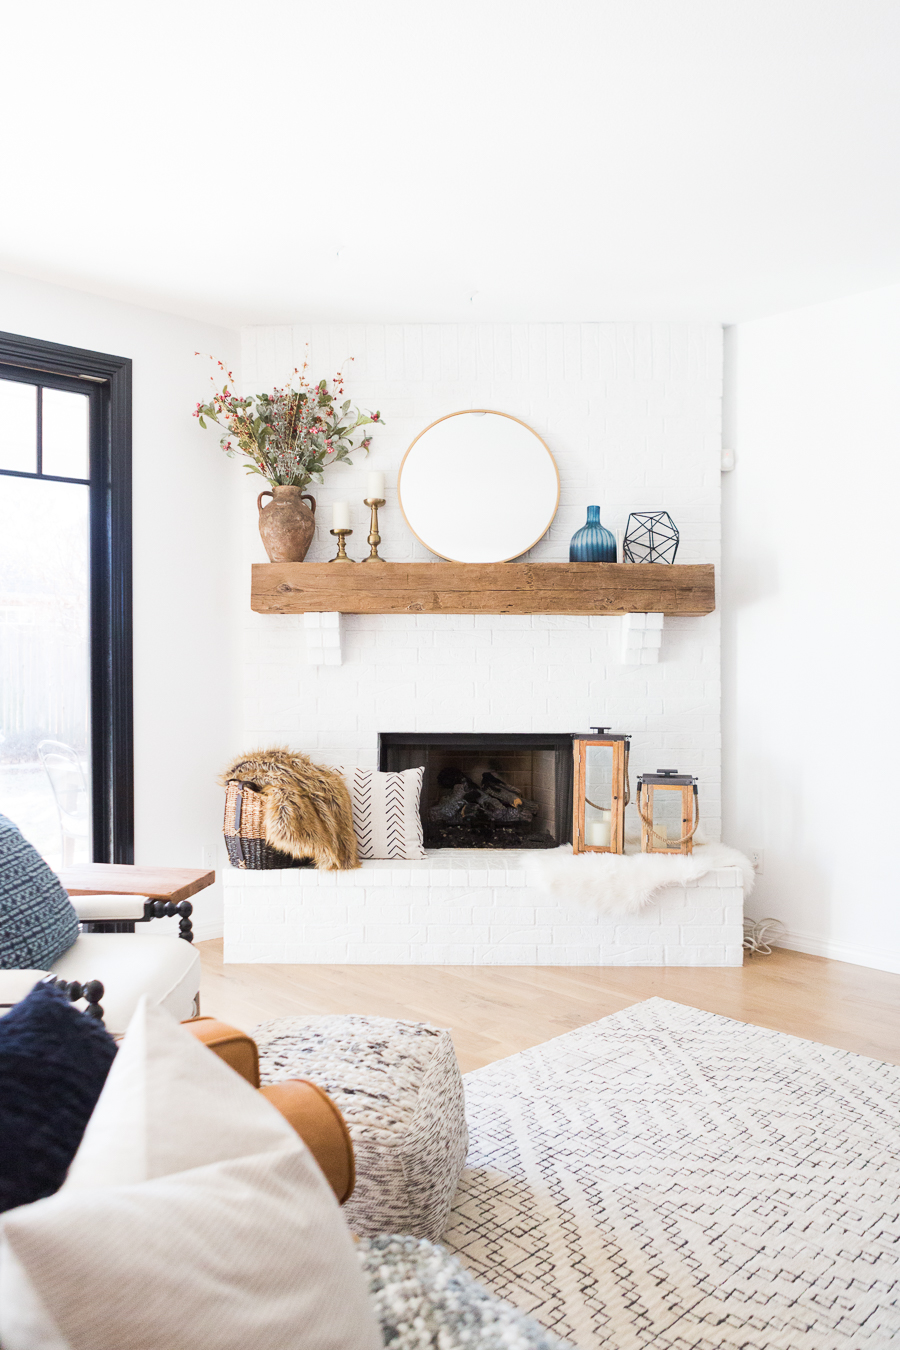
[(465, 412)]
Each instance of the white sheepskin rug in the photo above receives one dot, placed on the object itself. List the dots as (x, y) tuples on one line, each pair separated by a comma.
[(622, 883)]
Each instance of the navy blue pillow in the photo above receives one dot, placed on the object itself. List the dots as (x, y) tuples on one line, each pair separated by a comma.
[(37, 919), (53, 1064)]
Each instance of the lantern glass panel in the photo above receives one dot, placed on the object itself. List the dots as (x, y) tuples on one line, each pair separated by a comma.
[(667, 826), (598, 786)]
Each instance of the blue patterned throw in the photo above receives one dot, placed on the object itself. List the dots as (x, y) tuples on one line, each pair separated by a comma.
[(37, 919)]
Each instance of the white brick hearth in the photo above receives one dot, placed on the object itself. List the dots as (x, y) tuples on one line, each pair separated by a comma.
[(469, 907)]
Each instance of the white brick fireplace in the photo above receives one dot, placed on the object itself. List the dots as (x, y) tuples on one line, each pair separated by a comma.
[(631, 413)]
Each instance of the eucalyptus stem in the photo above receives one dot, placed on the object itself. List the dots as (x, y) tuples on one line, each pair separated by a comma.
[(291, 435)]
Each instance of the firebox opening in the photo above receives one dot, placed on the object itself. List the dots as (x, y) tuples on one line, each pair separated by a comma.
[(511, 791)]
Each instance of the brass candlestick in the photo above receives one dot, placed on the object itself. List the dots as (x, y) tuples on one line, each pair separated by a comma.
[(341, 555), (374, 536)]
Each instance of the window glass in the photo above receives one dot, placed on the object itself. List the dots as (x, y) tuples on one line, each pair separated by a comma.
[(44, 665), (64, 434), (598, 780), (667, 805), (18, 426)]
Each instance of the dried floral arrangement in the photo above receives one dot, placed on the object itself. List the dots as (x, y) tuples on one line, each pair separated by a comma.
[(291, 435)]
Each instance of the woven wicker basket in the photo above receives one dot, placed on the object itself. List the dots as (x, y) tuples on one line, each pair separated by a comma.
[(244, 835)]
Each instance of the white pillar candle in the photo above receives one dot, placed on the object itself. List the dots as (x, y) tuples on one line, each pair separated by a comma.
[(340, 516), (376, 484), (597, 833)]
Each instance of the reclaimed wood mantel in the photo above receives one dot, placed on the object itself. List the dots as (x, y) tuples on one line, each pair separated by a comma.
[(483, 588)]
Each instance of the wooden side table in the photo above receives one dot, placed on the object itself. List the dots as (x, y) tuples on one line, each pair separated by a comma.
[(166, 888)]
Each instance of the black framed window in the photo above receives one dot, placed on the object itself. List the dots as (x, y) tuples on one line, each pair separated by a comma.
[(67, 747)]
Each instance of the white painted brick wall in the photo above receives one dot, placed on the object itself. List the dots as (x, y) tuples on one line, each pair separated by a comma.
[(632, 415), (425, 914)]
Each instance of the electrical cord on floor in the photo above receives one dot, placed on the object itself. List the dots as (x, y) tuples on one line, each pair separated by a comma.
[(761, 934)]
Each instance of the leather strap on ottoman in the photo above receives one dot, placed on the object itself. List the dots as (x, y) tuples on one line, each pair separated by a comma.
[(321, 1127), (305, 1106), (236, 1048)]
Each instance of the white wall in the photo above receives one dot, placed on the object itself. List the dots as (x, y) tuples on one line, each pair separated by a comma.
[(632, 413), (186, 569), (811, 569)]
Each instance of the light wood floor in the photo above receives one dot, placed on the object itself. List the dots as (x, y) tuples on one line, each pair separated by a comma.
[(494, 1011)]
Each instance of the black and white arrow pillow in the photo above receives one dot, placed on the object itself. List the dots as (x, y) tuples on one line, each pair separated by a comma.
[(386, 815)]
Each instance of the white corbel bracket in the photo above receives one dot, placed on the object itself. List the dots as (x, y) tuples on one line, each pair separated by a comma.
[(641, 639), (323, 639)]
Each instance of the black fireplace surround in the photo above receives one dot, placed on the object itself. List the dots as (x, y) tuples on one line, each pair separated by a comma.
[(488, 790)]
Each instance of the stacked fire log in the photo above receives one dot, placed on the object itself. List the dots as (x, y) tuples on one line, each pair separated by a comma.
[(462, 801)]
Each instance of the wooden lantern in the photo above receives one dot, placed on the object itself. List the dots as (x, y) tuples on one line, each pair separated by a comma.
[(601, 791), (669, 808)]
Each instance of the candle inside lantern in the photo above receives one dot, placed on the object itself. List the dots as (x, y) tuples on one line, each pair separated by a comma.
[(340, 512), (376, 484), (597, 832)]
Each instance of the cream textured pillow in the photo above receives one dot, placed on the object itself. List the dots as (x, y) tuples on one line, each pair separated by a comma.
[(192, 1217), (386, 815)]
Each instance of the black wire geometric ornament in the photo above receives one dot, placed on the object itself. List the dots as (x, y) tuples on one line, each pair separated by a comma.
[(650, 537)]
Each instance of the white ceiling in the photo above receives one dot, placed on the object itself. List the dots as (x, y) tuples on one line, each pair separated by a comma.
[(276, 160)]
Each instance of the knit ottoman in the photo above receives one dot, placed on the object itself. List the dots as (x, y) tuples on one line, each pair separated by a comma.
[(399, 1088)]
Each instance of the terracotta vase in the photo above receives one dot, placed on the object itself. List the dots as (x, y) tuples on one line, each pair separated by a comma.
[(287, 524)]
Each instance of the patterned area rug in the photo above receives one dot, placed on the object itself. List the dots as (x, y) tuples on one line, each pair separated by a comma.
[(669, 1178)]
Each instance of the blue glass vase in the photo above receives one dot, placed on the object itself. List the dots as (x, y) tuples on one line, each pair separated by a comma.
[(593, 542)]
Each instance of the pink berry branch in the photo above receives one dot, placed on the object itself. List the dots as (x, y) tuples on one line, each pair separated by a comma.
[(291, 435)]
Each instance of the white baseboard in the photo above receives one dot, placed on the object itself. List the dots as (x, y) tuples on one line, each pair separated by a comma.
[(213, 929), (836, 951)]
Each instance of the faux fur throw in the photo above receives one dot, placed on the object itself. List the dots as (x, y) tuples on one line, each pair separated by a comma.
[(306, 807), (622, 883)]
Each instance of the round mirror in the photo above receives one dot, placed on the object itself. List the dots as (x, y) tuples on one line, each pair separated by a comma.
[(478, 487)]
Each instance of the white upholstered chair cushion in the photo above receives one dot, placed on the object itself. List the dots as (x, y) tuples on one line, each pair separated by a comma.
[(15, 984), (98, 907), (166, 969)]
